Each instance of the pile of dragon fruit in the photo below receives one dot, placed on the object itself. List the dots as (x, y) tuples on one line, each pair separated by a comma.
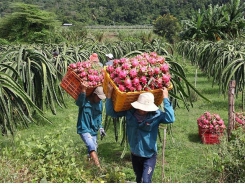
[(88, 71), (240, 118), (144, 72), (211, 121)]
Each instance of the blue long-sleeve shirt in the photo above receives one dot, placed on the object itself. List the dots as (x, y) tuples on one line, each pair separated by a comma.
[(89, 115), (142, 136)]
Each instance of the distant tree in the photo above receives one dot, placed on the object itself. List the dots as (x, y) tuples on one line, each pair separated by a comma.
[(28, 24), (167, 26)]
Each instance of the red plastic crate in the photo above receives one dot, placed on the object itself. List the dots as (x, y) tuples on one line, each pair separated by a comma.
[(205, 130), (71, 83), (209, 136)]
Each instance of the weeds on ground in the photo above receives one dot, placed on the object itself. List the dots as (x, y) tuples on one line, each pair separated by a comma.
[(229, 161)]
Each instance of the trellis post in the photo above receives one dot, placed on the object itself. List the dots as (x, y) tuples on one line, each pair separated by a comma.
[(231, 110), (163, 152)]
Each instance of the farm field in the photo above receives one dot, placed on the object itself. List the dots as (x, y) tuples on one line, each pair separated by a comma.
[(39, 141), (186, 158)]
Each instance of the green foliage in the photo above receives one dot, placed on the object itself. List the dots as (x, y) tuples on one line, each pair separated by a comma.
[(215, 23), (3, 41), (222, 61), (16, 107), (116, 12), (193, 96), (229, 163), (73, 34), (137, 36), (114, 174), (36, 74), (167, 26), (28, 24), (234, 15), (39, 74), (50, 159), (185, 155)]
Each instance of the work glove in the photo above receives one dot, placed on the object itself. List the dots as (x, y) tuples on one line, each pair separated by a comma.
[(102, 132)]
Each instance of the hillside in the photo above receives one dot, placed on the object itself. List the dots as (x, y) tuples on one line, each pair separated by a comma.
[(115, 12)]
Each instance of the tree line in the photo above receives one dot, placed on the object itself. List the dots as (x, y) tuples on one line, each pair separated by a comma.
[(115, 12), (30, 24)]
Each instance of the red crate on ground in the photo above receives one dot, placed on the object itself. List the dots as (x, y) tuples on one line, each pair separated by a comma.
[(209, 136), (71, 83)]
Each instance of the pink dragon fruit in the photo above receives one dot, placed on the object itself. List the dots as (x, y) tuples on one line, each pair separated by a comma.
[(211, 122), (146, 71), (88, 72)]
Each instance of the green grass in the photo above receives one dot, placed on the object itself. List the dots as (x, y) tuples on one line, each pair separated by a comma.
[(186, 158)]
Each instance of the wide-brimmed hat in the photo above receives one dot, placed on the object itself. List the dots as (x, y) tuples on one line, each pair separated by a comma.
[(145, 102), (110, 56), (100, 93), (94, 57)]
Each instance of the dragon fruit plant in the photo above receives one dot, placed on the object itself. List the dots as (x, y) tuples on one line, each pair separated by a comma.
[(211, 122), (88, 71), (147, 71)]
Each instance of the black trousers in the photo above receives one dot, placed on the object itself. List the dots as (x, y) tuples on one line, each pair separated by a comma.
[(143, 168)]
